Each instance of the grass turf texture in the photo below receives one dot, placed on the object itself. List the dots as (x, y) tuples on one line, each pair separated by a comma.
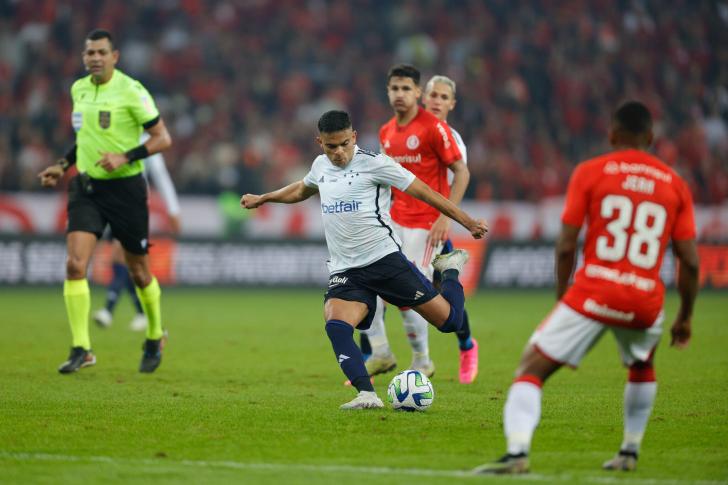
[(249, 389)]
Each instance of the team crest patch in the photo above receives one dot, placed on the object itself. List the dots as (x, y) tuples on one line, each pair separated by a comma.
[(104, 119), (413, 142)]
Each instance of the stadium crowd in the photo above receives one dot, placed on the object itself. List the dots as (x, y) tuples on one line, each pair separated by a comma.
[(241, 83)]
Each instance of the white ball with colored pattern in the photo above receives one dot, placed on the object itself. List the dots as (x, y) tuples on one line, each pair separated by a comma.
[(410, 390)]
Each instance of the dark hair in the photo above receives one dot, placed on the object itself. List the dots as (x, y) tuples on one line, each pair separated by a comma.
[(404, 70), (633, 117), (333, 121), (98, 34)]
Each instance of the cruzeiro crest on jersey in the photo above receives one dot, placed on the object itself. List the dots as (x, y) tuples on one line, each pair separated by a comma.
[(105, 119)]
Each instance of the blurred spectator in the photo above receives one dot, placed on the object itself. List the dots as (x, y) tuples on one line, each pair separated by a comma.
[(239, 82)]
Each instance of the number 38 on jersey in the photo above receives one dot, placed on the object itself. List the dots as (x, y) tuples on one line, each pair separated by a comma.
[(634, 232)]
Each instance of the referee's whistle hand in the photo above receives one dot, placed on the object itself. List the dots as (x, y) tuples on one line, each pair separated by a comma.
[(111, 161), (50, 176)]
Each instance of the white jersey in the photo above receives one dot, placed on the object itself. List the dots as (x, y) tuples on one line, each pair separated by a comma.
[(355, 203), (154, 166), (463, 151)]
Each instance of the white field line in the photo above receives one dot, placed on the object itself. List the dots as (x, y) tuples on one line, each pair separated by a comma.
[(364, 470)]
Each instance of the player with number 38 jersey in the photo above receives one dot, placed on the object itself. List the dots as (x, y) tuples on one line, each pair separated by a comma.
[(635, 204), (632, 204)]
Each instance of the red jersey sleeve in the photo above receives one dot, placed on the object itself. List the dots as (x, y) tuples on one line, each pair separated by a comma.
[(443, 144), (684, 228), (576, 205)]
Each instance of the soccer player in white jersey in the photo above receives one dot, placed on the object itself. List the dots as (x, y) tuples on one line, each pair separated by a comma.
[(156, 170), (365, 254)]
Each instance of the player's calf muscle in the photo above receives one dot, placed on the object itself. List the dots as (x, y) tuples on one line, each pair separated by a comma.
[(435, 311)]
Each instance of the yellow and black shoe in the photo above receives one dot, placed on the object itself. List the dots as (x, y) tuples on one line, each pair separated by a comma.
[(152, 355), (78, 358)]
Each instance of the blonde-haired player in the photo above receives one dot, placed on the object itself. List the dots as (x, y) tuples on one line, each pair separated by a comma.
[(439, 99), (423, 144)]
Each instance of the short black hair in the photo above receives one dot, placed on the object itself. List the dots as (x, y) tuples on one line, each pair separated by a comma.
[(633, 117), (404, 70), (98, 34), (333, 121)]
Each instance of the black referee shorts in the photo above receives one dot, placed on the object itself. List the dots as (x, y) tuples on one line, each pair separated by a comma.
[(393, 277), (120, 203)]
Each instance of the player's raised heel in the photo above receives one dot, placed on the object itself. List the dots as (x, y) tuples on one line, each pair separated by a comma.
[(377, 364), (507, 465), (452, 260), (78, 358), (364, 400), (625, 461)]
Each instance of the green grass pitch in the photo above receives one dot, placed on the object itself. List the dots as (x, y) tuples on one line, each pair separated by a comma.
[(249, 389)]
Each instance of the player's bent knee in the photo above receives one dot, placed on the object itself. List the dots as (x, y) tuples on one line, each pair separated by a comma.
[(76, 267), (435, 311), (351, 312), (142, 277), (642, 372), (139, 270), (533, 363)]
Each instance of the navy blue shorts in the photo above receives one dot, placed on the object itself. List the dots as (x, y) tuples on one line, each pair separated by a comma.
[(447, 247), (393, 277)]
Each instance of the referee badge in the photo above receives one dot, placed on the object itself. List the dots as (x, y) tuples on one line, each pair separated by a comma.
[(104, 119)]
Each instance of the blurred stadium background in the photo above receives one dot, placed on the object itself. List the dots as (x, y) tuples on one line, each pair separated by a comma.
[(248, 385), (241, 84)]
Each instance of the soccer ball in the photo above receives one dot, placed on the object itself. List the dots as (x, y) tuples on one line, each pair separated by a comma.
[(410, 390)]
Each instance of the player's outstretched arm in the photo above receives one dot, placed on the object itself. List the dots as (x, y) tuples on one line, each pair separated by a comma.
[(687, 285), (290, 194), (565, 257), (420, 190), (50, 176)]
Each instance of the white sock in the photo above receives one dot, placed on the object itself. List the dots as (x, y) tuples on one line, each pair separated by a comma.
[(521, 415), (639, 398), (416, 328), (377, 334)]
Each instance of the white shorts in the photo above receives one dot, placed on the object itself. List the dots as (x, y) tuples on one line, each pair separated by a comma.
[(416, 249), (565, 336)]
